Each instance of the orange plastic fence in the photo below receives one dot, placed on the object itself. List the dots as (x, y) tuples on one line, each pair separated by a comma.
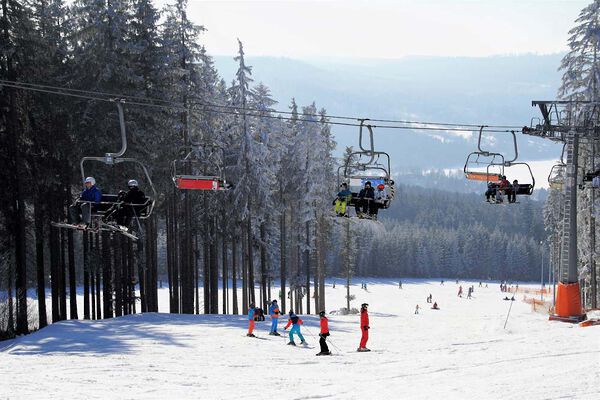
[(529, 290), (568, 301)]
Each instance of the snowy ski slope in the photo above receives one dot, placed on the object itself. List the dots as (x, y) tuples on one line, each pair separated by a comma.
[(459, 351)]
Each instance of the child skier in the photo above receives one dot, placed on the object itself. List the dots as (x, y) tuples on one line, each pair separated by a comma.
[(295, 321), (364, 327), (274, 313), (323, 335), (251, 320), (417, 309)]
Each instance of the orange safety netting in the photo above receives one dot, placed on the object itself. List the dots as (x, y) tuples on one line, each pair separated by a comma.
[(568, 300), (482, 176)]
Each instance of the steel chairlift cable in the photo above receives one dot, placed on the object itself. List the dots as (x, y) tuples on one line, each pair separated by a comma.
[(234, 110)]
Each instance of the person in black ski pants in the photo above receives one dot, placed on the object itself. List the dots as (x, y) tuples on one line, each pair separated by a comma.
[(366, 199), (323, 335)]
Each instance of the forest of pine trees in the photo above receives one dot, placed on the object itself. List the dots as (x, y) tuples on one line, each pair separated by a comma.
[(274, 227)]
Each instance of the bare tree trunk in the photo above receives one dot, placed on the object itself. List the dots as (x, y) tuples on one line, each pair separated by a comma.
[(62, 275), (117, 247), (107, 291), (98, 264), (234, 267), (72, 277), (86, 275), (224, 273), (41, 276), (283, 257), (244, 270), (263, 268), (307, 267), (251, 294)]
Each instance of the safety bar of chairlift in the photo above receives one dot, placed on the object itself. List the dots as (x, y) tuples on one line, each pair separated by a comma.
[(366, 164), (117, 161), (485, 154)]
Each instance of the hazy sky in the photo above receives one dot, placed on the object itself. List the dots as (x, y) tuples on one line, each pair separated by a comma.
[(385, 28)]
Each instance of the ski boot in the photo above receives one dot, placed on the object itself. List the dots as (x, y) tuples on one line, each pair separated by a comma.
[(250, 335), (291, 343), (303, 343), (324, 353), (362, 349), (276, 333)]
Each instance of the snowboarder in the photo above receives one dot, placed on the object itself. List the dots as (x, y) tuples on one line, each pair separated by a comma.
[(295, 321), (251, 321), (417, 309), (435, 306), (274, 313), (364, 327), (342, 200), (323, 335)]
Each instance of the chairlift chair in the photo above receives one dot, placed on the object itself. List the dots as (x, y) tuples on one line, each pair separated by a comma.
[(110, 202), (367, 165), (186, 173)]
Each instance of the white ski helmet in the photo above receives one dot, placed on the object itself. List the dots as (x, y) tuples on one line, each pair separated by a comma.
[(91, 180), (132, 182)]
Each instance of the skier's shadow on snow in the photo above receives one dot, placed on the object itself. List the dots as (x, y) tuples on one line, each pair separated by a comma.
[(124, 334)]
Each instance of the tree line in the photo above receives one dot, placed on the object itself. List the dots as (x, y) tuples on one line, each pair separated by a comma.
[(271, 225)]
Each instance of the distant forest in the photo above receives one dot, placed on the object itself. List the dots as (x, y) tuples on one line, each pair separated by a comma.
[(436, 233)]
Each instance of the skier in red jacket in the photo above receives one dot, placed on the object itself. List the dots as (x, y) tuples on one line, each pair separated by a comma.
[(364, 327), (323, 335)]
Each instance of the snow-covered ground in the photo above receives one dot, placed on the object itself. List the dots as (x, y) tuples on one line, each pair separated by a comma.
[(459, 351)]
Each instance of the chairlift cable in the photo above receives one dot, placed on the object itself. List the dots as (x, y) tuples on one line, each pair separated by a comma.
[(234, 110)]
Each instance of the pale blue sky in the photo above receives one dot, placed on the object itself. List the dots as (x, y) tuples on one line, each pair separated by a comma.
[(386, 28)]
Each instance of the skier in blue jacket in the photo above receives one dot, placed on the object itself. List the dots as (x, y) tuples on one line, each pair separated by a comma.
[(92, 196), (274, 313)]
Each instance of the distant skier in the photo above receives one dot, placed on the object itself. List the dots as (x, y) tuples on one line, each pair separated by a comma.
[(435, 306), (295, 321), (429, 298), (323, 335), (251, 320), (400, 284), (442, 282), (364, 327), (274, 313), (460, 291), (417, 309), (469, 293)]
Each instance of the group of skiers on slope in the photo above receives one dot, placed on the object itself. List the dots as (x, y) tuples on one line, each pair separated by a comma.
[(495, 191), (295, 322), (368, 201)]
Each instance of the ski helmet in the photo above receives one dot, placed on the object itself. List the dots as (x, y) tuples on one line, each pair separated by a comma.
[(368, 183), (90, 179), (291, 312), (274, 301), (132, 182), (321, 313), (364, 305)]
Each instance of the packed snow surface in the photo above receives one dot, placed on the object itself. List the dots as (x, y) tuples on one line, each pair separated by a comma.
[(458, 351)]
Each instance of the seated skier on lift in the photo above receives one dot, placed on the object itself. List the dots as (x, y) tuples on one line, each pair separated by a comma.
[(127, 210), (490, 193), (381, 196), (342, 200), (91, 197), (366, 197)]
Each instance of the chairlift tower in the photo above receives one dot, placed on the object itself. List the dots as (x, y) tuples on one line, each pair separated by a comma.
[(568, 122)]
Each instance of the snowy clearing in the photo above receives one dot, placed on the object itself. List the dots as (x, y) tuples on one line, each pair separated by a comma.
[(457, 351)]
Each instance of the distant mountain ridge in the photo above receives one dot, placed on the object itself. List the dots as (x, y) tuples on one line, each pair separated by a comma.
[(492, 90)]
